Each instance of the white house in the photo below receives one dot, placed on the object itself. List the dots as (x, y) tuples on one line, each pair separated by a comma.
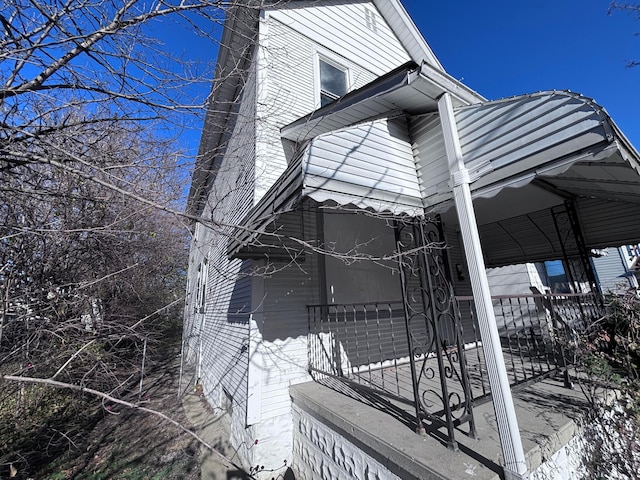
[(325, 157), (614, 269)]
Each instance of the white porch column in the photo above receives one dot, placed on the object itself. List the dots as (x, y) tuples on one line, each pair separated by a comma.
[(515, 463)]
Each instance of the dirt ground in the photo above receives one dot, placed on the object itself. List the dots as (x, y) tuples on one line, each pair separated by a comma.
[(131, 445)]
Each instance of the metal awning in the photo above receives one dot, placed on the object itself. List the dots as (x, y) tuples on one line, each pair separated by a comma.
[(560, 142), (411, 88), (368, 166), (562, 139)]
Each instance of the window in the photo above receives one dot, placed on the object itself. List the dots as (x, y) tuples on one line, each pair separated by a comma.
[(201, 287), (558, 280), (361, 281), (333, 81)]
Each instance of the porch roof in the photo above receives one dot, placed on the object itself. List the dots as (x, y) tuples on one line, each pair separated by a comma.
[(561, 142), (411, 88)]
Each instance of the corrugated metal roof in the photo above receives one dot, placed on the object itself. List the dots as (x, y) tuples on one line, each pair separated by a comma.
[(563, 142), (525, 132), (368, 166)]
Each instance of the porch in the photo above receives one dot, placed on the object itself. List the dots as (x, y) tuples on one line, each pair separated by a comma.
[(329, 426), (363, 351), (550, 177)]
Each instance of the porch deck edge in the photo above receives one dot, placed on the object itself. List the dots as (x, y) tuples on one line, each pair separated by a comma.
[(384, 438), (547, 413)]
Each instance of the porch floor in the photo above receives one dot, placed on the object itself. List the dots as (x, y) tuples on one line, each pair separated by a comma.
[(546, 414)]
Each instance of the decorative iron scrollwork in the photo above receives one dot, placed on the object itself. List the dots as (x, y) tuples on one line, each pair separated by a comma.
[(575, 254), (441, 384)]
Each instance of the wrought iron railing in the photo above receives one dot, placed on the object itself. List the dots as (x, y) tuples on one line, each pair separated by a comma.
[(392, 363), (537, 332), (366, 345)]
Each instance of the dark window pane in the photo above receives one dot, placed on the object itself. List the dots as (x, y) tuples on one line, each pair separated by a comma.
[(332, 80), (326, 99)]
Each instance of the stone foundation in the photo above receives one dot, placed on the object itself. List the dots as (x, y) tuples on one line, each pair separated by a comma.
[(319, 453)]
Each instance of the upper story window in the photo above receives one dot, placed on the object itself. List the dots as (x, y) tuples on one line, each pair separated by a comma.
[(333, 79)]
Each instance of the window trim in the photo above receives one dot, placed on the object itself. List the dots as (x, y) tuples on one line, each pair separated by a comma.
[(201, 286), (333, 60)]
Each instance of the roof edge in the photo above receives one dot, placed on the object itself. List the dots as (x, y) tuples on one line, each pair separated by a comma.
[(421, 50), (220, 107), (387, 82)]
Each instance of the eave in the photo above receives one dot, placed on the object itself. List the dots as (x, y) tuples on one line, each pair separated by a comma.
[(234, 56), (411, 88)]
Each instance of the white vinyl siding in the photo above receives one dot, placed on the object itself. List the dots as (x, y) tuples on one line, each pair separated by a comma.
[(224, 337), (612, 272), (370, 165), (284, 324), (343, 27), (514, 279), (192, 318), (292, 39), (429, 151), (458, 262)]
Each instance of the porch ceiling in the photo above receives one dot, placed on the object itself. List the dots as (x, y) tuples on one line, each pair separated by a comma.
[(517, 224), (532, 236), (614, 178)]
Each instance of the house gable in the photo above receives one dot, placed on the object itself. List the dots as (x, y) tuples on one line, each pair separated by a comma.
[(355, 31), (375, 36)]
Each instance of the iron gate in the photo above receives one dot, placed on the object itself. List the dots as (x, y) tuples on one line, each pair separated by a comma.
[(408, 351)]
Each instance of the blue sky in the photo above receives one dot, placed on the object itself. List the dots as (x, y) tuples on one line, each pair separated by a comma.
[(505, 48)]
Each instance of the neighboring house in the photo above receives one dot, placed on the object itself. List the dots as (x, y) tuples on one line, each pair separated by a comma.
[(614, 269), (323, 161)]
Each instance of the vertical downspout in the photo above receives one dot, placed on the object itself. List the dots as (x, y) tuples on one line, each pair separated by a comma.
[(511, 443)]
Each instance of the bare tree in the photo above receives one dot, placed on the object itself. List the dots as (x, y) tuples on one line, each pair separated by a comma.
[(91, 101), (633, 9), (88, 274), (92, 172)]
